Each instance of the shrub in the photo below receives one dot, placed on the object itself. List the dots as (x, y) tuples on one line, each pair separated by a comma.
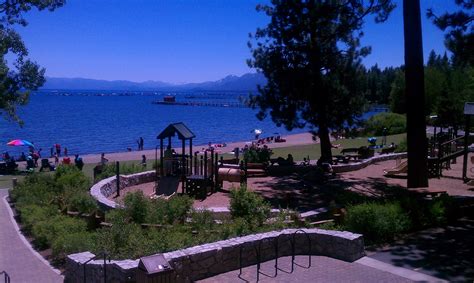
[(257, 154), (71, 243), (178, 208), (402, 147), (46, 231), (202, 219), (136, 206), (377, 222), (394, 123), (37, 189), (249, 206), (32, 213), (82, 202)]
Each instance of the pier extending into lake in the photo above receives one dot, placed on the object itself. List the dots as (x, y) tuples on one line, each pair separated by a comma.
[(235, 104)]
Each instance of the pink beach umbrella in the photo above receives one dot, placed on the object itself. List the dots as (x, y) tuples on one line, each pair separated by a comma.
[(20, 143)]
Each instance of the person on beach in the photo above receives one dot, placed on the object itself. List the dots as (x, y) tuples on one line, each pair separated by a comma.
[(78, 162), (65, 151), (56, 159), (103, 160), (141, 143), (58, 149)]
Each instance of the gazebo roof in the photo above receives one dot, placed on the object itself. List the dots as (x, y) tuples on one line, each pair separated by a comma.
[(184, 133)]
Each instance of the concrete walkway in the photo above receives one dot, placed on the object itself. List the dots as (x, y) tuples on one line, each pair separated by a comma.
[(17, 258), (444, 252), (323, 269)]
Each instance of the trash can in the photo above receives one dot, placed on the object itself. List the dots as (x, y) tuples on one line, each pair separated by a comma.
[(155, 269)]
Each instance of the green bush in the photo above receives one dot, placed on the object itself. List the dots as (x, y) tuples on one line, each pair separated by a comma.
[(394, 123), (402, 147), (32, 214), (136, 206), (82, 202), (249, 206), (377, 222), (72, 243), (257, 154), (46, 231), (202, 219), (178, 208)]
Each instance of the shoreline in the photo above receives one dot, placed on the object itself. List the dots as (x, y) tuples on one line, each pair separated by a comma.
[(291, 140)]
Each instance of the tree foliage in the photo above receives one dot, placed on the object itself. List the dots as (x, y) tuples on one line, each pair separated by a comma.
[(459, 28), (310, 53), (21, 76)]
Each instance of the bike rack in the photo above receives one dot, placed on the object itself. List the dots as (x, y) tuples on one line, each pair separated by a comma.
[(276, 246), (105, 257), (293, 244), (6, 276)]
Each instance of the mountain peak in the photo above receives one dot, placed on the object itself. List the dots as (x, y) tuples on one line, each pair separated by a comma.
[(246, 82)]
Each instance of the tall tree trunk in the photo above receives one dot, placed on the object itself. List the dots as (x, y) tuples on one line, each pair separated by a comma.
[(415, 96), (323, 133)]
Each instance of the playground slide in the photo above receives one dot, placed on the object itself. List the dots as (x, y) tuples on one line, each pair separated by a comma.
[(400, 169), (167, 186)]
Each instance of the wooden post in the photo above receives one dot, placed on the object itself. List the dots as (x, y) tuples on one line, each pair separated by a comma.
[(161, 158), (466, 149), (216, 172), (195, 170), (190, 156), (205, 164), (183, 166), (201, 164), (117, 178)]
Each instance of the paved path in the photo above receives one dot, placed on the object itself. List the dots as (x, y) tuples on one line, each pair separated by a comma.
[(17, 257), (323, 269), (441, 252)]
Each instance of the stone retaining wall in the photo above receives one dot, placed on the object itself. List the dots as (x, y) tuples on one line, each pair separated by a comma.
[(107, 187), (340, 168), (206, 260)]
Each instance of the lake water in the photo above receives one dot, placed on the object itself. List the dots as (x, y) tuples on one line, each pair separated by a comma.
[(94, 122)]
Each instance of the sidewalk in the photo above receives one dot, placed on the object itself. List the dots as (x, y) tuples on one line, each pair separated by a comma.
[(17, 257), (323, 269)]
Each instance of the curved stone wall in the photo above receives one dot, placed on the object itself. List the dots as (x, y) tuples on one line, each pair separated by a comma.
[(206, 260), (107, 187)]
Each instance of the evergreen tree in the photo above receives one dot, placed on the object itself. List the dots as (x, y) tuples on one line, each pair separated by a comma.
[(459, 28), (17, 81), (310, 54)]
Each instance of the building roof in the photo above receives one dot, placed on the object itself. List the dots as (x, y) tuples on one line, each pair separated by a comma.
[(179, 128)]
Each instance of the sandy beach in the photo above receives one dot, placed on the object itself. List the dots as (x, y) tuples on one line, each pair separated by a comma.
[(291, 140)]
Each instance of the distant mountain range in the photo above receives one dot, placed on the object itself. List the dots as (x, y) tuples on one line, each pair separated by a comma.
[(247, 82)]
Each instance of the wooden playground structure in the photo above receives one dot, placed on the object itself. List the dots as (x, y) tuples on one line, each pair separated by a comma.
[(445, 147), (198, 174)]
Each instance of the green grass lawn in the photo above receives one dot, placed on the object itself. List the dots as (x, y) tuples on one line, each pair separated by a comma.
[(314, 150)]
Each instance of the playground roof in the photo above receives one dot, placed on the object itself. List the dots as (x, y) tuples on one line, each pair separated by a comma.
[(469, 108), (184, 133)]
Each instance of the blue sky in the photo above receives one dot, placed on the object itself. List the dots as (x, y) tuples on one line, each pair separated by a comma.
[(177, 40)]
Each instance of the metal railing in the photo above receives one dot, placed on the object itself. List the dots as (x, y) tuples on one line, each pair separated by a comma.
[(276, 244), (103, 255), (5, 276)]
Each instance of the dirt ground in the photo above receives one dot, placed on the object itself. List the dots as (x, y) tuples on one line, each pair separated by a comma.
[(292, 191)]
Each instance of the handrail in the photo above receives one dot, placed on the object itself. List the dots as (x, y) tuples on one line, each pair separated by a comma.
[(6, 276), (452, 140), (105, 256)]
